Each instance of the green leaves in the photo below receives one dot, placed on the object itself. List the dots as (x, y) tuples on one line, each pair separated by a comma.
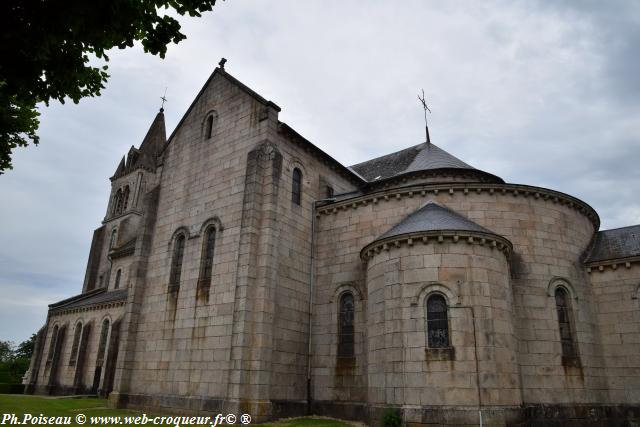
[(46, 47)]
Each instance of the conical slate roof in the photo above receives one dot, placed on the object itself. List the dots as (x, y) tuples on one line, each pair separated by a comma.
[(422, 157), (433, 217)]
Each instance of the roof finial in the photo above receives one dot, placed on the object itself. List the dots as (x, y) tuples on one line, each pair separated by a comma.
[(221, 63), (426, 108), (164, 99)]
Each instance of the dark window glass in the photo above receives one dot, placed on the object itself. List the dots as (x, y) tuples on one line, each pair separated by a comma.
[(329, 191), (117, 202), (564, 321), (209, 128), (102, 345), (52, 343), (125, 197), (112, 242), (76, 343), (437, 322), (296, 189), (346, 329), (117, 283), (207, 254), (176, 262)]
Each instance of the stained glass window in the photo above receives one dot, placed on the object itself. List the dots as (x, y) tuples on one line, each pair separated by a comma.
[(296, 190), (346, 328), (564, 321), (437, 322), (176, 262), (207, 254)]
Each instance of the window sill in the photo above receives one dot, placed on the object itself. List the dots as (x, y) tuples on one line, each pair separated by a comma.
[(440, 354)]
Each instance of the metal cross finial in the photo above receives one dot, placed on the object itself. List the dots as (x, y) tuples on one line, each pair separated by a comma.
[(426, 108), (164, 99)]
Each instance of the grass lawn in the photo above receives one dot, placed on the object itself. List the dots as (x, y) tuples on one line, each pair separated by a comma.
[(55, 407)]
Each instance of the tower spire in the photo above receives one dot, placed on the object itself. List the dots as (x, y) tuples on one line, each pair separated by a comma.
[(426, 108)]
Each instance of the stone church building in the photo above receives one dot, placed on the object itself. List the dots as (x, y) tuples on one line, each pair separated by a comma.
[(241, 269)]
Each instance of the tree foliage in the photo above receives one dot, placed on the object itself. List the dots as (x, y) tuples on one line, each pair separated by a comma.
[(14, 361), (6, 351), (25, 348), (48, 49)]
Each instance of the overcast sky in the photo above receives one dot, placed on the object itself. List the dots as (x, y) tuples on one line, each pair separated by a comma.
[(545, 94)]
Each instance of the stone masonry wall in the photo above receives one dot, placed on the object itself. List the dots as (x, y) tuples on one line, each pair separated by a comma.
[(474, 280), (548, 236), (184, 343), (618, 316), (66, 371)]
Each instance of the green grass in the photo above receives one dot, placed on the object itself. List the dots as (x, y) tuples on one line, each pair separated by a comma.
[(53, 407)]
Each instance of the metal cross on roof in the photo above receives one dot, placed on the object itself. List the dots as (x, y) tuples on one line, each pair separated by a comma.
[(164, 99), (426, 108)]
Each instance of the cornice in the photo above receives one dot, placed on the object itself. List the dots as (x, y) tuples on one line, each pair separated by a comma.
[(120, 215), (423, 190), (328, 161), (437, 237), (611, 263), (95, 307)]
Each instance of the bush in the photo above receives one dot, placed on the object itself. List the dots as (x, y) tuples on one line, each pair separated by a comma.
[(391, 418), (11, 388), (12, 370)]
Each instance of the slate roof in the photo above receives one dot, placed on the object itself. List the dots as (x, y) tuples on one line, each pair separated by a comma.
[(413, 159), (617, 243), (87, 299), (433, 217)]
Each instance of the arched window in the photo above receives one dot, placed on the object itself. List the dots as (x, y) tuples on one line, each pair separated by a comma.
[(77, 333), (125, 197), (437, 322), (114, 235), (206, 267), (118, 202), (176, 262), (209, 127), (102, 345), (296, 189), (116, 285), (564, 320), (345, 326), (52, 343)]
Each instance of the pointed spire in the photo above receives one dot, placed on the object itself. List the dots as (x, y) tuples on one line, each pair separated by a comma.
[(155, 139), (120, 168)]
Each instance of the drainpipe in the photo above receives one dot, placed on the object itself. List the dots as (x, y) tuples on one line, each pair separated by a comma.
[(475, 351), (312, 276)]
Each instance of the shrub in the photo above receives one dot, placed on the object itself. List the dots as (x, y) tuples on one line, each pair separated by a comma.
[(391, 418), (11, 388)]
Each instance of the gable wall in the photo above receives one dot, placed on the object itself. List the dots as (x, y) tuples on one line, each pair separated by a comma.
[(184, 344)]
